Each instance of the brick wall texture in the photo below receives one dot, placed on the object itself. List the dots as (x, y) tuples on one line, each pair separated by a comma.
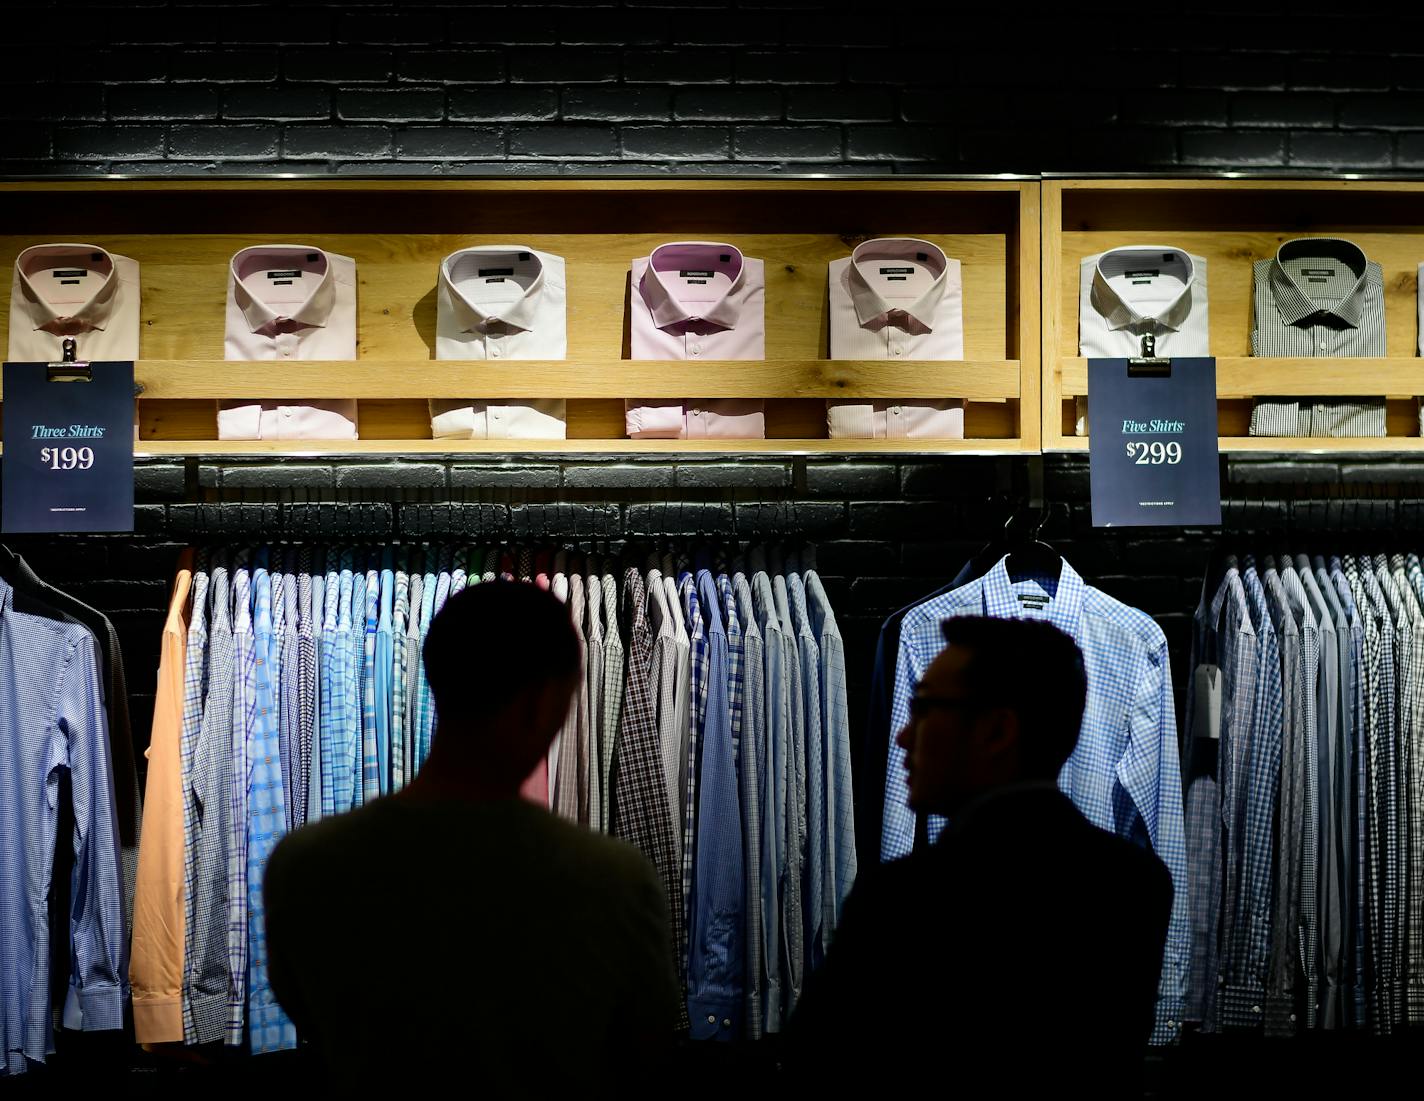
[(697, 87)]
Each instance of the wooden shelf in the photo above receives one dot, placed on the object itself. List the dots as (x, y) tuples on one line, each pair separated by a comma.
[(1231, 223), (183, 234), (396, 448), (1248, 377), (990, 380)]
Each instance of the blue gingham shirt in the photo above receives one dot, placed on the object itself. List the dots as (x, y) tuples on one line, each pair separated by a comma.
[(312, 658), (757, 829), (1395, 624), (268, 1028), (332, 712), (716, 960), (195, 677), (400, 625), (697, 638), (839, 861), (794, 914), (370, 738), (52, 718), (244, 709), (424, 701), (1249, 944), (1123, 774)]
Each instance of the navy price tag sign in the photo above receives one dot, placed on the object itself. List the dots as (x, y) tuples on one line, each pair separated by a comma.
[(1152, 443), (68, 463)]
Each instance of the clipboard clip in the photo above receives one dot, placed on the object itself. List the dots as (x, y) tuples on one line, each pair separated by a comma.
[(69, 369), (1149, 364)]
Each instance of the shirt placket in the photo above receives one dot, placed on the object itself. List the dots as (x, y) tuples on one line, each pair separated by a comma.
[(694, 346)]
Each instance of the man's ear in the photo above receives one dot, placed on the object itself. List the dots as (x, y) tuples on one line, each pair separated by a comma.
[(1002, 729)]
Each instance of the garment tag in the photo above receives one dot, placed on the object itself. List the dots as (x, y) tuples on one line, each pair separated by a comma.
[(69, 282), (1169, 258), (281, 283), (1316, 279), (897, 271), (1144, 273), (696, 274), (495, 279), (1327, 272), (922, 256), (1207, 686), (69, 273), (897, 279), (288, 275), (523, 257), (1036, 601), (697, 282), (312, 258)]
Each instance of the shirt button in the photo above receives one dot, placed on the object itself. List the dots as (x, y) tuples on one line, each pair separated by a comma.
[(1255, 1009), (899, 351), (494, 351), (727, 1022), (711, 1018), (697, 349), (895, 409), (1322, 345)]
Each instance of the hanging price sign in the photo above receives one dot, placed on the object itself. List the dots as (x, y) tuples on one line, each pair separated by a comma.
[(68, 460), (1152, 443)]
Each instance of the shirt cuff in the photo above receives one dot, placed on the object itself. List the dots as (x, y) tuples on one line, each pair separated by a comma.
[(714, 1018), (1280, 1015), (239, 421), (1168, 1026), (157, 1020), (661, 421), (1243, 1007), (451, 420), (1416, 1000), (96, 1008)]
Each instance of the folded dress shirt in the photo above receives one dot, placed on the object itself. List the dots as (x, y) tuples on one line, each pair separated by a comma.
[(1319, 296), (500, 302), (896, 298), (289, 302), (1127, 293), (697, 300), (79, 291)]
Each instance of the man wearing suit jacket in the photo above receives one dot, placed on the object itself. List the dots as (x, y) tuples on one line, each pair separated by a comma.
[(1021, 953)]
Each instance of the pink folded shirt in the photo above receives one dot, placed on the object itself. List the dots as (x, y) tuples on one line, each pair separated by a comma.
[(289, 302), (697, 300)]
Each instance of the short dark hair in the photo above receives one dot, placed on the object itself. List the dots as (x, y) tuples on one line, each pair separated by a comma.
[(1033, 669), (493, 642)]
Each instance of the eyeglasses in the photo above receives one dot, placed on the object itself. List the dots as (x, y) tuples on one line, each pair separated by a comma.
[(920, 706)]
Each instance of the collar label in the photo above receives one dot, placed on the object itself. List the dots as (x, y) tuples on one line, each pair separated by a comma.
[(69, 273), (1328, 273), (1036, 601), (1142, 275), (293, 273), (496, 271), (704, 275), (897, 271)]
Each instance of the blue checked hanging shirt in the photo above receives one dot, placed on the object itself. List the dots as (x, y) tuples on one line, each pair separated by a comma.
[(1243, 997), (1392, 799), (385, 662), (1123, 774), (332, 717), (1356, 706), (244, 710), (757, 859), (838, 796), (697, 637), (195, 675), (308, 633), (400, 616), (413, 672), (371, 756), (268, 1028), (318, 622), (794, 910), (52, 719), (715, 925), (351, 632), (424, 701), (205, 973)]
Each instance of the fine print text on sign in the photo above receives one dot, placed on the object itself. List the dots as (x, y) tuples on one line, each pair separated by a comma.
[(1153, 455), (68, 460)]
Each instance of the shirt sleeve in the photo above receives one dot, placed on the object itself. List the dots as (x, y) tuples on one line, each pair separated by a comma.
[(897, 835), (239, 421), (656, 421), (1152, 778), (99, 962)]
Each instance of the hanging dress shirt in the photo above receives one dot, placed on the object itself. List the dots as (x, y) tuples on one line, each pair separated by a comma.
[(896, 298), (663, 686), (71, 290), (593, 676), (697, 300), (1129, 729), (195, 675), (498, 302), (52, 719), (244, 713), (1127, 293), (757, 858), (156, 961), (289, 302), (614, 659)]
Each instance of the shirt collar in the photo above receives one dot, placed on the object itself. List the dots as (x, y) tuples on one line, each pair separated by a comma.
[(661, 295), (1295, 304), (95, 312), (314, 311), (1064, 610), (471, 317), (1119, 314), (870, 307)]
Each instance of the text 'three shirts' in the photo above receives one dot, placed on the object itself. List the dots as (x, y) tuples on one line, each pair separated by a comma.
[(1319, 296), (74, 291), (1127, 293), (697, 300), (289, 302), (500, 302), (896, 298)]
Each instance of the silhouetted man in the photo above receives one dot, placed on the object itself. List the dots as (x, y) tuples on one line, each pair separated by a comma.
[(1022, 951), (454, 932)]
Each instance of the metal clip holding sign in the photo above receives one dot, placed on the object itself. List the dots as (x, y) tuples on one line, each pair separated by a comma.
[(1149, 364), (68, 462)]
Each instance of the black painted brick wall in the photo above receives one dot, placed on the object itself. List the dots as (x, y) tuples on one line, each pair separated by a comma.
[(886, 531), (731, 86)]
